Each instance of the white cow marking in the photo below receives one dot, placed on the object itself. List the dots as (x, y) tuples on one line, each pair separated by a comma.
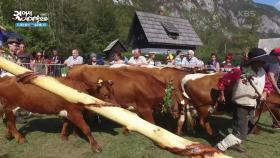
[(191, 77), (63, 113)]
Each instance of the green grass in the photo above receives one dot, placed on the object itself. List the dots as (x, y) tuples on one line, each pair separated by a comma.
[(43, 136)]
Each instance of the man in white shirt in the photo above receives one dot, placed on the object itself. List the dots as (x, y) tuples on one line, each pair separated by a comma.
[(191, 60), (74, 59), (137, 59)]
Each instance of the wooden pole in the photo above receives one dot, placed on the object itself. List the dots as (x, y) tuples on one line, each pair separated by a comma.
[(124, 117)]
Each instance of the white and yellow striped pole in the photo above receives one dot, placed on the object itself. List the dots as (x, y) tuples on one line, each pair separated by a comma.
[(124, 117)]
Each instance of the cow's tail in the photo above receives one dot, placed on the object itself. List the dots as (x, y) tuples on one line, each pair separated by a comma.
[(183, 82), (190, 77)]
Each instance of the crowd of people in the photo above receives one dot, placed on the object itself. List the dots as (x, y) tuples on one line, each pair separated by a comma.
[(52, 64), (181, 60)]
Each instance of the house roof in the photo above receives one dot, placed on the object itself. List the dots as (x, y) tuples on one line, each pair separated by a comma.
[(112, 44), (156, 32), (269, 44)]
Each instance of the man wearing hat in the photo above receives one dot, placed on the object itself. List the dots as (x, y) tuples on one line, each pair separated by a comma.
[(273, 70), (244, 96), (12, 48), (11, 55)]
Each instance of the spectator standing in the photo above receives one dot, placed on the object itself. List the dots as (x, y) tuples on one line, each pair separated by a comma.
[(117, 59), (273, 70), (40, 64), (93, 59), (179, 58), (23, 56), (55, 59), (11, 56), (190, 60), (151, 58), (169, 58), (13, 48), (214, 63), (227, 65), (74, 59), (137, 59)]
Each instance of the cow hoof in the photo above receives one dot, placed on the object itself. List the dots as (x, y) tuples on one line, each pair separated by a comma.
[(179, 133), (21, 140), (125, 131), (96, 149), (64, 138), (75, 134), (256, 130), (9, 136)]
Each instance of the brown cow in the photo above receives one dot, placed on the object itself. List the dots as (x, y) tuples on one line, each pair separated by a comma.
[(34, 99), (203, 92), (165, 75), (131, 88)]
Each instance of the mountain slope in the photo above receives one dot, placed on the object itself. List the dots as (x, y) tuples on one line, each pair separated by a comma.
[(231, 13)]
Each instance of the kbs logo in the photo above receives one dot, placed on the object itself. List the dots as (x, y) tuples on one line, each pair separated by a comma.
[(246, 13)]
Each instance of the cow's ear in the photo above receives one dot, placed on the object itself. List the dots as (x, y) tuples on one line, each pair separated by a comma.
[(110, 82)]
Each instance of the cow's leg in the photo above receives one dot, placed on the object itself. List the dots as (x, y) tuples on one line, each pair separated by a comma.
[(208, 126), (182, 116), (204, 120), (12, 131), (147, 113), (75, 131), (180, 124), (8, 133), (64, 130), (77, 119)]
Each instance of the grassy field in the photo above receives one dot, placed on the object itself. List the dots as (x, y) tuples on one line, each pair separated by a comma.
[(43, 136)]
